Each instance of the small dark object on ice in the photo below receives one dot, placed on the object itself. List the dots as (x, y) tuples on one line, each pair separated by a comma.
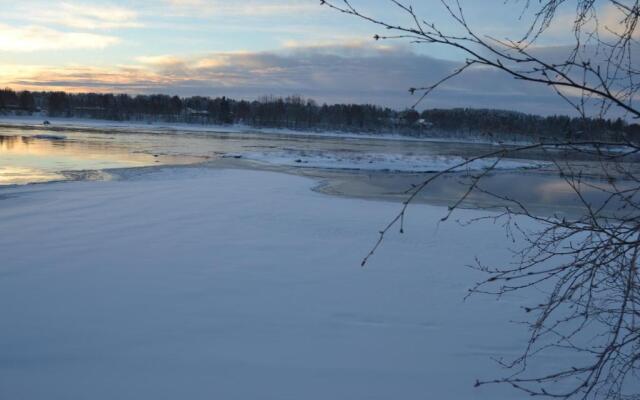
[(45, 122), (298, 160)]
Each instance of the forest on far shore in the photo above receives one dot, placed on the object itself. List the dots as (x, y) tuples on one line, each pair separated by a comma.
[(295, 112)]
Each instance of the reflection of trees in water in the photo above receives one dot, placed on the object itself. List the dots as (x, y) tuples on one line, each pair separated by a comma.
[(9, 142)]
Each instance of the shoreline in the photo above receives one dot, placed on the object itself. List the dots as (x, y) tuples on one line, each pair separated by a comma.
[(362, 182), (345, 184)]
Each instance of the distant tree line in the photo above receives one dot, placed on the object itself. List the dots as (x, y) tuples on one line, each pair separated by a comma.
[(295, 112)]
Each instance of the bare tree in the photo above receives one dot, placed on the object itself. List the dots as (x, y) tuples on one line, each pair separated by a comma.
[(587, 265)]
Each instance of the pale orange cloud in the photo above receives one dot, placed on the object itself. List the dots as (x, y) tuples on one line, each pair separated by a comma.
[(613, 20), (161, 61), (243, 8), (35, 38), (78, 78), (83, 16)]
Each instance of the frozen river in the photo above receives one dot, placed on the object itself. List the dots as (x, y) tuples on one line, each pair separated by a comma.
[(354, 166), (179, 265)]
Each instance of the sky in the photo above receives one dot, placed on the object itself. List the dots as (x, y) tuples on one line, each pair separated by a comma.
[(247, 49)]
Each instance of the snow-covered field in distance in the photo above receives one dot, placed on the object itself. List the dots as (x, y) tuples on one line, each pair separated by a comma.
[(57, 123), (199, 283)]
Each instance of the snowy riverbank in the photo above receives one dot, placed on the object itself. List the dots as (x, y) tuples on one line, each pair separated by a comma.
[(210, 283)]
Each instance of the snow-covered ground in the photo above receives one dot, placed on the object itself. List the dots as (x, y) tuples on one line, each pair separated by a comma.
[(367, 161), (195, 283)]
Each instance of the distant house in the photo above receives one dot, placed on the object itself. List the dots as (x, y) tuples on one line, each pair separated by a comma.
[(424, 123)]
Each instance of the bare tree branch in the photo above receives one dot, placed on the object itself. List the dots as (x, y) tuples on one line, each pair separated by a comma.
[(585, 266)]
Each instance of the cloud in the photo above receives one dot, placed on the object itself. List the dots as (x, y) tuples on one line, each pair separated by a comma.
[(77, 78), (36, 38), (83, 16), (615, 22), (160, 61), (362, 74), (251, 8), (611, 21)]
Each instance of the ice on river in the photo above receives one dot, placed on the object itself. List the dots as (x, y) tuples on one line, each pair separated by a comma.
[(195, 283), (351, 160)]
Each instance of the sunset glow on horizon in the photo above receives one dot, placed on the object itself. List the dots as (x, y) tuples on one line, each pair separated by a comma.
[(248, 49)]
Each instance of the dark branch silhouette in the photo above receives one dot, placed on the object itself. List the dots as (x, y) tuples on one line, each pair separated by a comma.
[(584, 267)]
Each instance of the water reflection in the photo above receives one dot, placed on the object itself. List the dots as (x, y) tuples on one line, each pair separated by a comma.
[(9, 142), (22, 175), (540, 192), (41, 158), (36, 155)]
